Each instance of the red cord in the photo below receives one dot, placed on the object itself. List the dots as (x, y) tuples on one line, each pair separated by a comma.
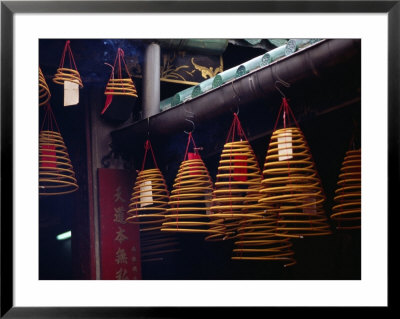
[(147, 146)]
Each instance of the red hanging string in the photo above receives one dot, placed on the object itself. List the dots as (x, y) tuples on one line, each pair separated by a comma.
[(190, 139), (289, 110), (118, 58), (147, 147), (63, 54), (67, 48), (72, 57), (49, 119)]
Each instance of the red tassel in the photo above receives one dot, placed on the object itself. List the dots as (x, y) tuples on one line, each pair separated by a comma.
[(107, 104)]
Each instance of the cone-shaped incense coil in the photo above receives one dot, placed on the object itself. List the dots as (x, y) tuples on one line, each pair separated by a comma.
[(256, 240), (155, 245), (149, 199), (121, 87), (291, 186), (190, 200), (347, 209), (44, 91), (237, 188), (56, 174), (71, 73), (147, 208), (65, 74)]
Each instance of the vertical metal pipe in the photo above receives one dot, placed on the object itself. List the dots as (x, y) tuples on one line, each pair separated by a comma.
[(151, 81)]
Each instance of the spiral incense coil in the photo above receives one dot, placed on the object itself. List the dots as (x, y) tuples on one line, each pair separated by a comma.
[(190, 201), (155, 245), (149, 199), (237, 187), (257, 240), (44, 91), (347, 209), (56, 174), (121, 87), (66, 74), (291, 186)]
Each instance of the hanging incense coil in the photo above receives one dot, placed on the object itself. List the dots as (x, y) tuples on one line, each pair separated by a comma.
[(149, 199), (44, 91), (155, 245), (118, 84), (66, 74), (347, 209), (257, 240), (147, 208), (70, 73), (121, 87), (190, 201), (237, 188), (56, 174), (291, 186)]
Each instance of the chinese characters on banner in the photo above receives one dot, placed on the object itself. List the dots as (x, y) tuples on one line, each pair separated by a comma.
[(119, 240)]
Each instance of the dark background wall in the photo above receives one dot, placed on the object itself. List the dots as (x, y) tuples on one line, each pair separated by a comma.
[(328, 110)]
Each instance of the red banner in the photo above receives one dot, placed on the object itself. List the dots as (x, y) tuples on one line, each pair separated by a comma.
[(119, 240)]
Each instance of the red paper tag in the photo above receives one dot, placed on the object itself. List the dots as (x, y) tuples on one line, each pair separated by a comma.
[(192, 156), (48, 157), (240, 170)]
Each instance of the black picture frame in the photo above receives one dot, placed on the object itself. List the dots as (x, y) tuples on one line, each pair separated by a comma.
[(9, 8)]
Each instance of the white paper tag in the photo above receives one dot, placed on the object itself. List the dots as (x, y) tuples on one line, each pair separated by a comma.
[(71, 93), (311, 209), (285, 146), (146, 194)]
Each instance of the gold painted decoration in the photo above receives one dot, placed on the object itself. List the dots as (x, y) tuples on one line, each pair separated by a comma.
[(291, 186), (120, 84), (44, 91), (189, 68), (56, 173), (190, 198), (147, 208), (238, 183), (347, 209), (208, 72), (70, 73)]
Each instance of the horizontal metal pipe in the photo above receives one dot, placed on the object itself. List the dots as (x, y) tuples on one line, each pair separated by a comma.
[(256, 85)]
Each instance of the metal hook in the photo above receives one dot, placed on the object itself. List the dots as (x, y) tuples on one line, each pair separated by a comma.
[(148, 127), (193, 126), (285, 84), (238, 99), (189, 116)]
